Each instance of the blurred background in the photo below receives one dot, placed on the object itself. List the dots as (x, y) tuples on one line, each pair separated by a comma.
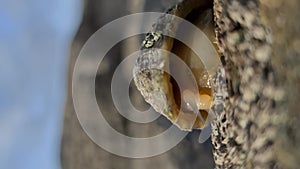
[(34, 40)]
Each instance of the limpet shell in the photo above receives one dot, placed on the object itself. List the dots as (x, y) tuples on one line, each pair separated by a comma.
[(158, 88)]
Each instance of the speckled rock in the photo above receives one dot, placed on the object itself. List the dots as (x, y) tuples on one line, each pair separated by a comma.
[(251, 131)]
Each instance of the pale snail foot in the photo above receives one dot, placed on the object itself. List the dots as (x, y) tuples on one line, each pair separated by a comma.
[(193, 101)]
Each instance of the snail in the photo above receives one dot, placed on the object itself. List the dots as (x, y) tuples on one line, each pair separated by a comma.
[(188, 109)]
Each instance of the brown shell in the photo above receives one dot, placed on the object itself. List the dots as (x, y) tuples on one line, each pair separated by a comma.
[(155, 85)]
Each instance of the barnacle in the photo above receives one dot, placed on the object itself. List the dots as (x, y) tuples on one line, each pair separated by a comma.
[(151, 38), (188, 109)]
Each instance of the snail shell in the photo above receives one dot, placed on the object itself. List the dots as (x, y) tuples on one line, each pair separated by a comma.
[(158, 88)]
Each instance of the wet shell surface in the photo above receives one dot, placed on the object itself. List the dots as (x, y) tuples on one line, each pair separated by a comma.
[(186, 109)]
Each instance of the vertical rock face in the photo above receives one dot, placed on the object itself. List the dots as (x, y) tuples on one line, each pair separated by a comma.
[(282, 17), (257, 127)]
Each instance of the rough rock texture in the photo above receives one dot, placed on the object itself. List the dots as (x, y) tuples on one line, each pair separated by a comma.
[(257, 126), (283, 19)]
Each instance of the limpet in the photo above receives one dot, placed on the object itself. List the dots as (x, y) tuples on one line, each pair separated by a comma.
[(158, 88)]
